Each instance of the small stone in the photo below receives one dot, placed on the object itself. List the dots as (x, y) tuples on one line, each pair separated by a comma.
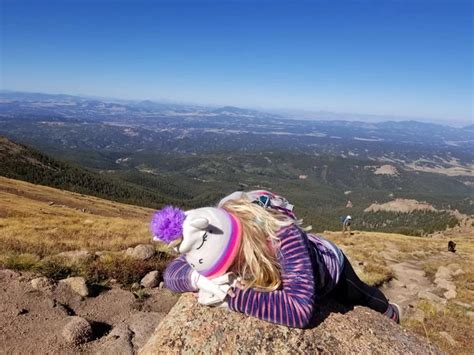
[(470, 314), (77, 284), (118, 341), (443, 283), (443, 272), (431, 297), (77, 330), (458, 272), (450, 294), (463, 304), (161, 285), (141, 252), (151, 279), (42, 284)]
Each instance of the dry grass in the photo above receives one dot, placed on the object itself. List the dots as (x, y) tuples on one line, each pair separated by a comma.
[(31, 224), (37, 223), (369, 252), (378, 250)]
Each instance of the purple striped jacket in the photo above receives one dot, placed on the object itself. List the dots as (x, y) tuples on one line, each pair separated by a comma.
[(310, 268)]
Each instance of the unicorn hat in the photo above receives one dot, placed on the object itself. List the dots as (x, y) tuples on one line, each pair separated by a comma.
[(209, 237)]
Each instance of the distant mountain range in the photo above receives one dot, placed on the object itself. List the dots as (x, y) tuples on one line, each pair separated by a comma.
[(71, 123), (193, 155)]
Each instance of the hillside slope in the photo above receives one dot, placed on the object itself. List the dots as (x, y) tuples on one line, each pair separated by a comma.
[(38, 222), (21, 162), (42, 220)]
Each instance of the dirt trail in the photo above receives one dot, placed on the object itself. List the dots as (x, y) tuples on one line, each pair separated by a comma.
[(411, 284)]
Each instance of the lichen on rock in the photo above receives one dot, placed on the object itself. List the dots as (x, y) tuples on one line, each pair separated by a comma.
[(193, 328)]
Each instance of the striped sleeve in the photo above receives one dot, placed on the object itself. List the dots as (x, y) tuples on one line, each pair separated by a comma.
[(293, 304), (177, 276)]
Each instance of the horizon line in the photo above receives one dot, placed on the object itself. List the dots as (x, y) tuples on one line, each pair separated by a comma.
[(375, 117)]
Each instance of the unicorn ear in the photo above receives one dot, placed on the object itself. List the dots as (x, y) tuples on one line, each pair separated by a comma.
[(200, 223)]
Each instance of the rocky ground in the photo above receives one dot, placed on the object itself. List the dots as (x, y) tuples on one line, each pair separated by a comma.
[(39, 316), (338, 331), (411, 285)]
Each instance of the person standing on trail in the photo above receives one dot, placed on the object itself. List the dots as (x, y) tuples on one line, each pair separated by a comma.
[(346, 224)]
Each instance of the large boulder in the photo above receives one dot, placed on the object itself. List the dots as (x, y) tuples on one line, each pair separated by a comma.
[(192, 328)]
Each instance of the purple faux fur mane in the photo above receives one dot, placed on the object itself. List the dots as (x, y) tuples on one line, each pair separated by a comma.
[(167, 224)]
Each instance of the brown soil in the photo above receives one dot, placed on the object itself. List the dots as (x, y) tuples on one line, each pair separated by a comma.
[(32, 321)]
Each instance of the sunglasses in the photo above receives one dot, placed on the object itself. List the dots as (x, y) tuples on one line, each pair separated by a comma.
[(263, 201)]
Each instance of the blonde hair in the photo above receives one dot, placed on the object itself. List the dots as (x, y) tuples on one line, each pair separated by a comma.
[(256, 260)]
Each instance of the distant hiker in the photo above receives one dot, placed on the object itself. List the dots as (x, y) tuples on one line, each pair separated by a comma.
[(258, 260), (452, 246), (346, 224)]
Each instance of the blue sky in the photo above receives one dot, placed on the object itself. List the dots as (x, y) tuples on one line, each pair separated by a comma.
[(405, 57)]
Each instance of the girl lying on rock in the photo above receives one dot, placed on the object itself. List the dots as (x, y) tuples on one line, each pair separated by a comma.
[(252, 255)]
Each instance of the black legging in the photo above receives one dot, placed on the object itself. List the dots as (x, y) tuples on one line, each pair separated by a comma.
[(351, 291)]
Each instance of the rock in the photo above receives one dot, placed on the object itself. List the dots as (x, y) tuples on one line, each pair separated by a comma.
[(142, 324), (77, 284), (470, 314), (76, 256), (463, 304), (448, 338), (161, 285), (192, 328), (119, 341), (151, 279), (42, 284), (442, 283), (458, 272), (431, 297), (141, 251), (77, 330), (443, 273), (450, 294)]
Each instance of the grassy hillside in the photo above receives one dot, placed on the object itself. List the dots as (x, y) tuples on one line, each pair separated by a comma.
[(44, 221), (38, 222)]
